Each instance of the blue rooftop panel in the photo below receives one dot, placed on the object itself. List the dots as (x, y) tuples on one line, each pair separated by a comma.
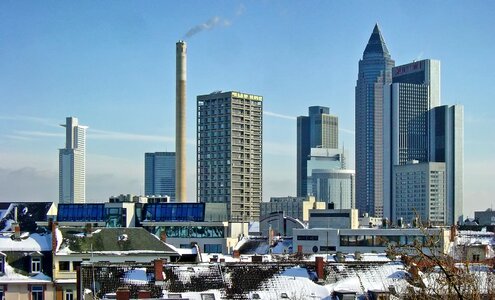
[(81, 212), (174, 212)]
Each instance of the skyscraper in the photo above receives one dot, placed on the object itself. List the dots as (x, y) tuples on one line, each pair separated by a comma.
[(317, 130), (72, 163), (419, 190), (417, 128), (229, 152), (159, 174), (415, 89), (375, 70), (447, 145)]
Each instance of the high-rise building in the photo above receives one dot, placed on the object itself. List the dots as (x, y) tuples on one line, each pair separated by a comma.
[(419, 191), (229, 152), (159, 174), (334, 186), (413, 92), (447, 145), (417, 128), (72, 163), (317, 130), (375, 70)]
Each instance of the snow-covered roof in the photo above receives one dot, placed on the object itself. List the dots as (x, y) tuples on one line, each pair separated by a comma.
[(110, 241), (33, 242), (11, 276), (469, 237)]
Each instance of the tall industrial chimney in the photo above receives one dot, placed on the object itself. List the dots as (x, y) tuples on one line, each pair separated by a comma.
[(180, 122)]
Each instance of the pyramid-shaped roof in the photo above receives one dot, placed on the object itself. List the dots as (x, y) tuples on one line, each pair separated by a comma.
[(376, 43)]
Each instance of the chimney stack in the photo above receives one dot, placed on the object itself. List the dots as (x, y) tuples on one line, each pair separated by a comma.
[(180, 122)]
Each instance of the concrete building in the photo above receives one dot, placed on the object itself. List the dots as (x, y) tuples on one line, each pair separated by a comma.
[(486, 217), (333, 218), (229, 152), (159, 174), (317, 130), (365, 240), (375, 70), (72, 163), (334, 186), (420, 191), (295, 207)]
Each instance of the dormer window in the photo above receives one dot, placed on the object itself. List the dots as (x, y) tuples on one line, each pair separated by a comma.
[(35, 264)]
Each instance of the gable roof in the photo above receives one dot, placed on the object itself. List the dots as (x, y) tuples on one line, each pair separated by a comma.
[(117, 241)]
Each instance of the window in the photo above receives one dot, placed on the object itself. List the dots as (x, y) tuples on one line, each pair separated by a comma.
[(36, 292), (75, 265), (64, 265), (35, 265), (328, 248), (476, 257), (2, 269), (213, 248), (307, 237), (69, 295)]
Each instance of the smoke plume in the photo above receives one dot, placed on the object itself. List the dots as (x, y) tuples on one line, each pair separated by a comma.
[(208, 25)]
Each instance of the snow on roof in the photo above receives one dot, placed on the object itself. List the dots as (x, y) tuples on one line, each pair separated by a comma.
[(469, 237), (11, 276), (35, 242), (194, 295), (379, 277), (295, 283)]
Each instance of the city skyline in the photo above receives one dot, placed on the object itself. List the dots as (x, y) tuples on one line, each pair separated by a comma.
[(110, 73)]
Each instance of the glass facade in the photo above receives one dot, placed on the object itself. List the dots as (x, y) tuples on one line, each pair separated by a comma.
[(381, 240), (180, 212), (159, 174), (189, 231), (81, 212), (318, 130), (115, 217), (375, 70), (213, 248)]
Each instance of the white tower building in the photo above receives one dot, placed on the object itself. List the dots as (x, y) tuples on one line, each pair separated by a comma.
[(72, 163)]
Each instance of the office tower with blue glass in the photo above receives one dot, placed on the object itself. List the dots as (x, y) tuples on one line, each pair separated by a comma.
[(447, 146), (159, 174), (416, 128), (229, 153), (318, 130), (72, 163), (375, 70)]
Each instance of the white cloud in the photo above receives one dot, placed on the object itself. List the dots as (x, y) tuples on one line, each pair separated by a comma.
[(276, 115), (44, 121)]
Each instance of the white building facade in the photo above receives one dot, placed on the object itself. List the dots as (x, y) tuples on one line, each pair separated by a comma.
[(72, 163), (420, 191)]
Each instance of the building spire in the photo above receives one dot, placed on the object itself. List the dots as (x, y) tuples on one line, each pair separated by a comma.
[(376, 43)]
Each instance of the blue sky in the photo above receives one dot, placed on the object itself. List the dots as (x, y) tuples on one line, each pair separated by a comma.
[(112, 65)]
